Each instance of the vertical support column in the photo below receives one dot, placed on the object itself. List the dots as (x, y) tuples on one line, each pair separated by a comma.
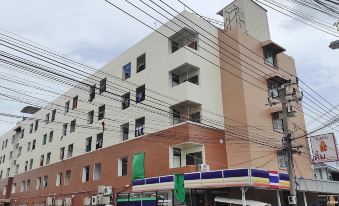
[(278, 198), (243, 196), (305, 199)]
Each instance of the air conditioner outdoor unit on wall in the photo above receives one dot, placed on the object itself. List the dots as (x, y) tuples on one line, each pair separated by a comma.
[(58, 202), (203, 167), (106, 200), (108, 190), (49, 201), (87, 201), (94, 200), (68, 201), (101, 189)]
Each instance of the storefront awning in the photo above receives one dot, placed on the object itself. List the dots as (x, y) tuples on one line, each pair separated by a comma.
[(239, 202)]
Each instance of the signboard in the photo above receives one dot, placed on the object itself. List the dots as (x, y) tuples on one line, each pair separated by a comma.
[(324, 148)]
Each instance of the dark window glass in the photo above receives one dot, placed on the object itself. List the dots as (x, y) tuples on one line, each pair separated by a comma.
[(102, 86), (125, 100), (141, 63), (101, 113), (126, 71), (194, 158), (75, 102), (99, 141), (140, 94), (139, 126), (91, 93)]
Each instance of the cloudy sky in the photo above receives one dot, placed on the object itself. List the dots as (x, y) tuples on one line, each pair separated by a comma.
[(94, 32)]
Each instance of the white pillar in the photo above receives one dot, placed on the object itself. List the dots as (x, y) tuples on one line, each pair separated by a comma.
[(278, 198), (243, 196), (305, 200)]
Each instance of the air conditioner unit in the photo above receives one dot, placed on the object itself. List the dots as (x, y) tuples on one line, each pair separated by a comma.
[(49, 201), (94, 200), (292, 200), (58, 202), (101, 189), (203, 167), (68, 201), (106, 200), (99, 199), (87, 201), (108, 190)]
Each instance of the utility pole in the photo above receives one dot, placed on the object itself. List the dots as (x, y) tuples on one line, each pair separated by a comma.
[(285, 98)]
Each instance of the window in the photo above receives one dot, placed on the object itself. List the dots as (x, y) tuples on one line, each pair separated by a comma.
[(39, 183), (73, 122), (11, 155), (8, 171), (282, 161), (58, 179), (124, 131), (270, 57), (31, 164), (70, 151), (140, 94), (33, 144), (62, 153), (90, 117), (176, 157), (36, 125), (13, 139), (99, 141), (23, 186), (22, 134), (277, 122), (26, 166), (97, 172), (139, 126), (184, 37), (48, 158), (51, 134), (122, 166), (91, 93), (67, 179), (29, 146), (6, 142), (194, 158), (184, 73), (28, 184), (273, 88), (101, 114), (45, 181), (64, 129), (13, 188), (126, 71), (85, 174), (1, 174), (31, 128), (42, 158), (75, 102), (102, 86), (125, 100), (47, 118), (19, 151), (53, 115), (67, 107), (16, 169), (88, 144), (44, 139), (141, 63), (3, 159)]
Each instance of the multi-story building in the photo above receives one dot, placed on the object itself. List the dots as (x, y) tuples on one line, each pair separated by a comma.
[(184, 96)]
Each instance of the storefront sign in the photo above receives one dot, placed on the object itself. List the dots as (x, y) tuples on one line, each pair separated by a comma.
[(323, 148)]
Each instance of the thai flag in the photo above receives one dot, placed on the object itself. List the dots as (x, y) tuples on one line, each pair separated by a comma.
[(274, 179)]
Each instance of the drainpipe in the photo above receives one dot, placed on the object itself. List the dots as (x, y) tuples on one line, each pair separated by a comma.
[(243, 196)]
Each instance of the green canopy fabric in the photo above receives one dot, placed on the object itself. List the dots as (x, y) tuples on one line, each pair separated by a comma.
[(138, 167), (179, 187)]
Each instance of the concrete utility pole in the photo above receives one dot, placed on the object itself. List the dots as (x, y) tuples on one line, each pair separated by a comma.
[(285, 99)]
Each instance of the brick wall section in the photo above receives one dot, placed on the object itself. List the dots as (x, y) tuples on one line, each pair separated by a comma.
[(155, 146)]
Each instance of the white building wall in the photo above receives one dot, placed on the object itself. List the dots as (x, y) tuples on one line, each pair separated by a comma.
[(159, 94)]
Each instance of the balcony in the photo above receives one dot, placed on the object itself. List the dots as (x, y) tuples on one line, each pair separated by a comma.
[(184, 37), (184, 73), (188, 155), (186, 111)]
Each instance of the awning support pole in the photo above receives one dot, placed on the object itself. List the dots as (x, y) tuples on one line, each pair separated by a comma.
[(243, 195), (305, 200), (278, 198)]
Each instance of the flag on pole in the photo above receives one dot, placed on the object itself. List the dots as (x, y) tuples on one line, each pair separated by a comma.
[(138, 168), (179, 187)]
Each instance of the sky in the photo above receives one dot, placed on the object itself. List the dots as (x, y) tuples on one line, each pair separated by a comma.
[(94, 32)]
